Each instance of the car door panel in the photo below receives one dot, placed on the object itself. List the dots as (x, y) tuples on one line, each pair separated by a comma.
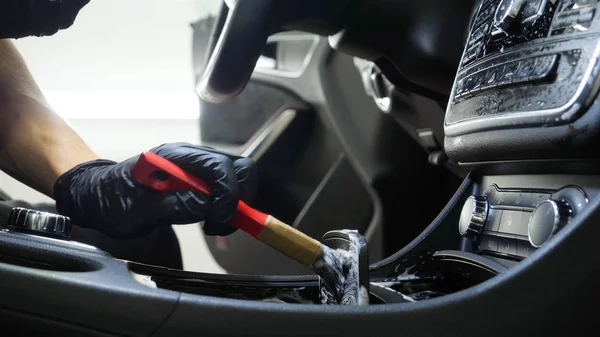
[(329, 168)]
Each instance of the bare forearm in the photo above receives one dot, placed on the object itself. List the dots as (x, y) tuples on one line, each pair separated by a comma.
[(36, 145)]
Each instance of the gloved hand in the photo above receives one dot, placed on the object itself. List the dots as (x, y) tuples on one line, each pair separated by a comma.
[(20, 18), (103, 195)]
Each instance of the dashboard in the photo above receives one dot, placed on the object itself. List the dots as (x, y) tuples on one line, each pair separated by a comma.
[(532, 68), (527, 83)]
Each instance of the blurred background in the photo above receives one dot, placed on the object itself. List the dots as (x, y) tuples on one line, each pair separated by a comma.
[(123, 77)]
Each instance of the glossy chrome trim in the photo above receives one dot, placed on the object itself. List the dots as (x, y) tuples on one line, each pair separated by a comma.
[(537, 15), (269, 134), (307, 58)]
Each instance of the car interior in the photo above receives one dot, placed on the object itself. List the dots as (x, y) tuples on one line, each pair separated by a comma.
[(457, 138)]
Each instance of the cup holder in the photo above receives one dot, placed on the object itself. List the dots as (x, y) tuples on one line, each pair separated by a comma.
[(440, 273)]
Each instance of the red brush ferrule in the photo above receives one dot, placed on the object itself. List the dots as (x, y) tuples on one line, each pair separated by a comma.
[(248, 219)]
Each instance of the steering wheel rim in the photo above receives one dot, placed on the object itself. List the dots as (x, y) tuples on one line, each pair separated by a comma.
[(245, 31), (236, 51)]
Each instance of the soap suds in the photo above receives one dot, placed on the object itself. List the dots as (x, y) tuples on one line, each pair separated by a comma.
[(340, 280)]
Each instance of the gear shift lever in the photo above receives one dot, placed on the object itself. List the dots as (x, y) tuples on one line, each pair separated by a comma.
[(353, 246)]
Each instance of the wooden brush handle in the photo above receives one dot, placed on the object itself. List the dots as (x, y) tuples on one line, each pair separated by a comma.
[(290, 241), (161, 174)]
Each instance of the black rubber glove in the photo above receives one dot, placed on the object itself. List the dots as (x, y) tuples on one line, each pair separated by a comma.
[(102, 194)]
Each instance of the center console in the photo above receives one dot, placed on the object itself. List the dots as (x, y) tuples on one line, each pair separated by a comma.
[(527, 82), (527, 63), (524, 116)]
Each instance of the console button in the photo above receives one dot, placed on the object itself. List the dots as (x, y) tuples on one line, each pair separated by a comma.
[(478, 34), (478, 80), (506, 13), (490, 78), (544, 67), (509, 72), (521, 199), (517, 199), (507, 246), (523, 226), (489, 243), (491, 193), (510, 222), (493, 222), (533, 10), (537, 198), (524, 248), (460, 88), (566, 19), (586, 15), (484, 16), (472, 52), (469, 56), (467, 84), (525, 70)]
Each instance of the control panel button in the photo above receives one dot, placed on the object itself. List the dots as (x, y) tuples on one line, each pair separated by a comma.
[(544, 67), (460, 87), (537, 198), (510, 222), (507, 246), (478, 35), (565, 19), (493, 222), (491, 193), (533, 10), (586, 15), (473, 52), (478, 80), (490, 78), (524, 248), (516, 199), (509, 72), (526, 69), (467, 84), (506, 13), (489, 243), (484, 15), (523, 227)]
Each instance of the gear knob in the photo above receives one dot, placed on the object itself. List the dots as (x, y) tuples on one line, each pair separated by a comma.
[(354, 243)]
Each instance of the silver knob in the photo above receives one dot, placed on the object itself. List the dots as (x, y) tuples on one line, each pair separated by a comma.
[(506, 13), (473, 217), (547, 219), (39, 223)]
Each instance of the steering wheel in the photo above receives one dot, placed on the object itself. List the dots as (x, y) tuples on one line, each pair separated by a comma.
[(243, 29)]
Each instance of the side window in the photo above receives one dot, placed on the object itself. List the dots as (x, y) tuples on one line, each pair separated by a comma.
[(122, 59)]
